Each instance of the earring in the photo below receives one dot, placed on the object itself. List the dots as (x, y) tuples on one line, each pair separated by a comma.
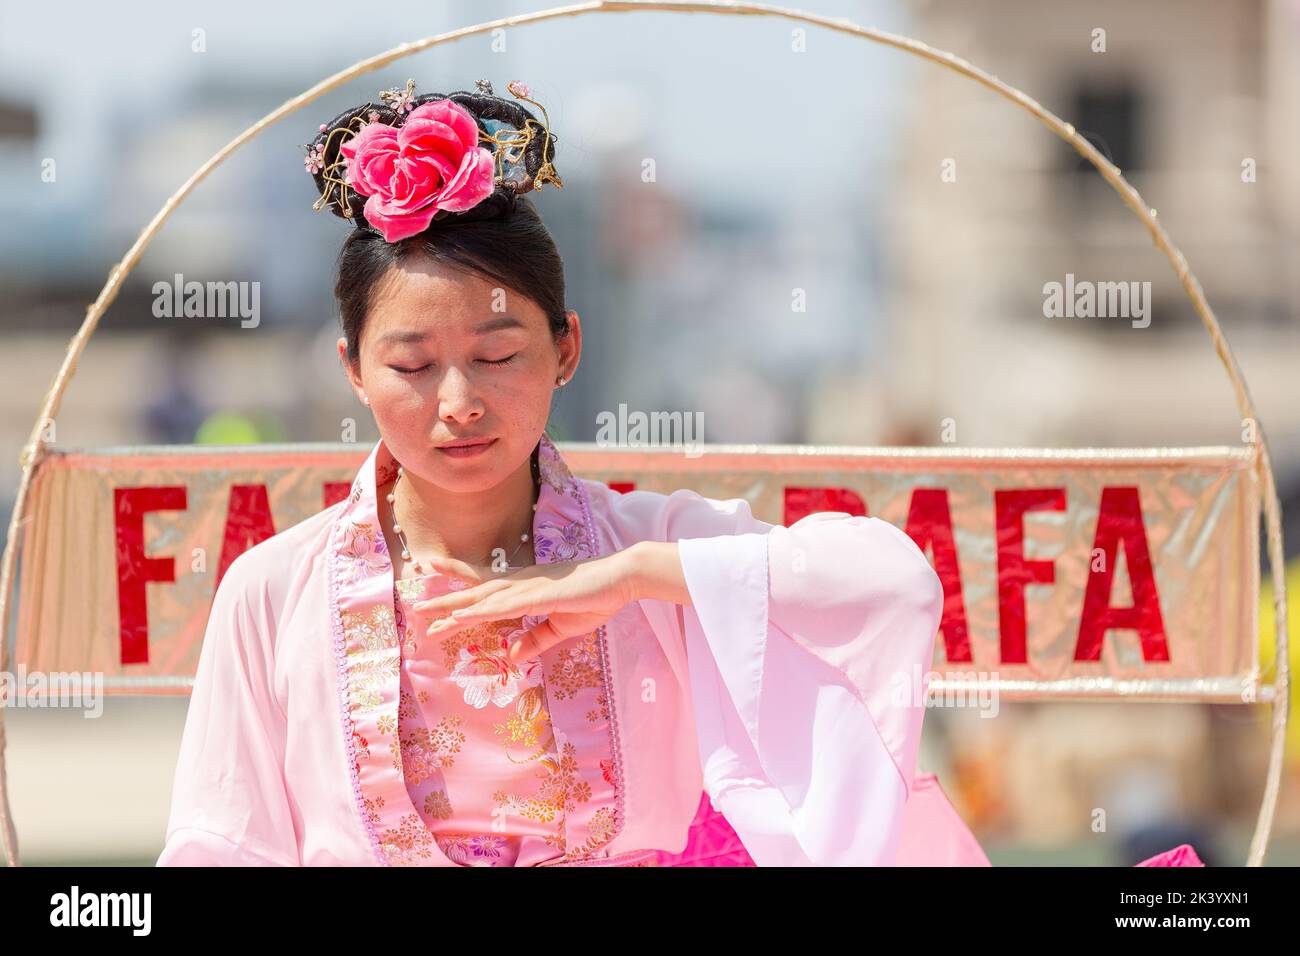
[(561, 382), (365, 399)]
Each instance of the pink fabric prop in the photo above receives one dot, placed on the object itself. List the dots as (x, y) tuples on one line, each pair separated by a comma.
[(1181, 855), (933, 832)]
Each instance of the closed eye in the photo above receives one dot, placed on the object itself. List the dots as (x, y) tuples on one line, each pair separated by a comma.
[(505, 361), (408, 371)]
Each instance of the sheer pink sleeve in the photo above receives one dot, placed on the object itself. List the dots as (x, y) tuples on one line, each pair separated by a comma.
[(806, 648), (229, 806)]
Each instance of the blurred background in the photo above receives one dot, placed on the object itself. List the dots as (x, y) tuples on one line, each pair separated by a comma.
[(919, 213)]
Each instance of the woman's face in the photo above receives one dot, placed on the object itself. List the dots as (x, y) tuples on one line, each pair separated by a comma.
[(447, 355)]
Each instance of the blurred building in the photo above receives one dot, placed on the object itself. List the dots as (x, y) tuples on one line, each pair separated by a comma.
[(1191, 99), (1197, 103)]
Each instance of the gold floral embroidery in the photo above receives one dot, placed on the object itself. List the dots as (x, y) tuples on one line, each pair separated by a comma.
[(373, 633), (373, 806), (563, 787), (368, 679), (602, 831), (577, 668), (411, 841), (437, 805), (556, 791), (521, 730), (425, 751), (490, 634), (537, 808), (601, 712), (369, 641), (475, 849), (406, 708), (531, 727)]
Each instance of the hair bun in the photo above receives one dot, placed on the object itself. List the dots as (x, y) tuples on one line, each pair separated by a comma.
[(521, 149)]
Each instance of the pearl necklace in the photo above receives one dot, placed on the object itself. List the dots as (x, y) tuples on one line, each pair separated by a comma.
[(406, 548)]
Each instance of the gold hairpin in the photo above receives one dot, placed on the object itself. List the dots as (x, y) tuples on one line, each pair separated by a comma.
[(546, 173), (327, 174)]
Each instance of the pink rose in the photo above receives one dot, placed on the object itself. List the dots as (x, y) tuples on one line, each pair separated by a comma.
[(409, 172)]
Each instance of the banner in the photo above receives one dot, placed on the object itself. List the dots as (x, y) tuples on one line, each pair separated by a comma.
[(1079, 573)]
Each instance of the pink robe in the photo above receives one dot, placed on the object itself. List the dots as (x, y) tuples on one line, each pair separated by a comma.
[(770, 722)]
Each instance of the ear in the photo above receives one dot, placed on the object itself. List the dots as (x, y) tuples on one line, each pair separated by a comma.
[(353, 378), (570, 346)]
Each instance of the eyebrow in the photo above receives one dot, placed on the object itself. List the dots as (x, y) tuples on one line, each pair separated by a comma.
[(483, 328), (493, 325)]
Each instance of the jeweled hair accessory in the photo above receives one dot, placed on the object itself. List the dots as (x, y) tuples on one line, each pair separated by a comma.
[(420, 158)]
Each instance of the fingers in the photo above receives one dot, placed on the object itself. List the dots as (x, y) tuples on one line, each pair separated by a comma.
[(535, 641), (501, 604), (502, 608), (452, 566), (455, 600)]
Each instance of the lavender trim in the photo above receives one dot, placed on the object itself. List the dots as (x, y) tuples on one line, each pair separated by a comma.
[(340, 659), (615, 744)]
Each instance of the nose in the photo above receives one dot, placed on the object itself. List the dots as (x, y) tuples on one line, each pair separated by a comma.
[(457, 399)]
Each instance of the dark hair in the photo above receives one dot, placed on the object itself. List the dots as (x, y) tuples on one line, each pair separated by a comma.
[(515, 250), (501, 238)]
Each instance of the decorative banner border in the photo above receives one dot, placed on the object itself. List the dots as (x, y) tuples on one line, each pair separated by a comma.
[(1095, 573)]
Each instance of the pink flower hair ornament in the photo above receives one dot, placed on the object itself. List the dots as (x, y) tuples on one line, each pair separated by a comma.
[(417, 159)]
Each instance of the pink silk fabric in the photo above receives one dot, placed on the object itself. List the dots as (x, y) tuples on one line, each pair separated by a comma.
[(478, 751)]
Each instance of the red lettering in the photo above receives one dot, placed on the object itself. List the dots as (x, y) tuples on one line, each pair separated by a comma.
[(1119, 521), (801, 502), (248, 522), (929, 524), (336, 491), (134, 568), (1014, 570)]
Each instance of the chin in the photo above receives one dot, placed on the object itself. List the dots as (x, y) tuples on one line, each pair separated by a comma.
[(478, 473)]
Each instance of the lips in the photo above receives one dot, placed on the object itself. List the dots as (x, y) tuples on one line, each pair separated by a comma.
[(476, 447)]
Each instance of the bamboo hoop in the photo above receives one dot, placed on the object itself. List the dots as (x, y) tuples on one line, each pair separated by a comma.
[(33, 451)]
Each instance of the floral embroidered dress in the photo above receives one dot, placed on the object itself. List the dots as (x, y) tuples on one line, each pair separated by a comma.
[(477, 749)]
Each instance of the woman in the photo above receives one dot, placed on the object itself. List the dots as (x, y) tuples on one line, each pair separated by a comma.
[(478, 658)]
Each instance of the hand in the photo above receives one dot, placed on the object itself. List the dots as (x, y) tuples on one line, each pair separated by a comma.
[(578, 596)]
